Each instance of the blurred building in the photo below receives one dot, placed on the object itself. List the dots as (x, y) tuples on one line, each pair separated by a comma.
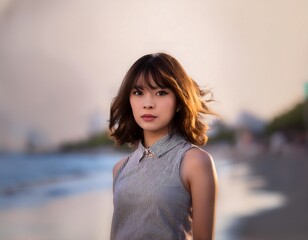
[(248, 128)]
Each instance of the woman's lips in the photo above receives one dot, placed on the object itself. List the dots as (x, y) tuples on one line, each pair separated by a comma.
[(148, 117)]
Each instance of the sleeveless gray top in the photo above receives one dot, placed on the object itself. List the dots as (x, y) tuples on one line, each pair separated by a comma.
[(150, 201)]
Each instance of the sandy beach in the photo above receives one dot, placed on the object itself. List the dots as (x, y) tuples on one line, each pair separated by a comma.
[(84, 216), (260, 197), (87, 215)]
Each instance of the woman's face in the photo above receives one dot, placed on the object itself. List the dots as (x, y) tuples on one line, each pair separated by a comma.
[(153, 109)]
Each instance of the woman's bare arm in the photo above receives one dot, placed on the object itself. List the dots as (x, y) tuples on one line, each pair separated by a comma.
[(199, 174)]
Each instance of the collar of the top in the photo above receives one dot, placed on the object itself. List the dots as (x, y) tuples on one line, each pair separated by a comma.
[(160, 147)]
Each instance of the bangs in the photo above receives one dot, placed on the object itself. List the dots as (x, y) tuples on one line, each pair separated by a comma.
[(152, 78)]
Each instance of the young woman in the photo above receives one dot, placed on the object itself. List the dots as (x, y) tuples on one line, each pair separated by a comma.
[(165, 189)]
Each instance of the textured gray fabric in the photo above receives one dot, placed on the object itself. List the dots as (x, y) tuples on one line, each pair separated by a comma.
[(150, 201)]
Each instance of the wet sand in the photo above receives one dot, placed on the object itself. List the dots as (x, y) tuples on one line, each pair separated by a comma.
[(285, 173), (237, 195)]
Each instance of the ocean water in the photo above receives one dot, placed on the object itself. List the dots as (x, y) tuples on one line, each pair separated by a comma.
[(27, 180)]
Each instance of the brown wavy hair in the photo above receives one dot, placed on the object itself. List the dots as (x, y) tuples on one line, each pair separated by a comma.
[(166, 72)]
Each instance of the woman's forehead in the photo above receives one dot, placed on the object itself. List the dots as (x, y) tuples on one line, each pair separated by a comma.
[(147, 82)]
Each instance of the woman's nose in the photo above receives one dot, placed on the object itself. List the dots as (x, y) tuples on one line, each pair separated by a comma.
[(148, 103), (148, 106)]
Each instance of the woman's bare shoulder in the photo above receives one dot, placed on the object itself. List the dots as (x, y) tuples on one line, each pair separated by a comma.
[(197, 161), (198, 157)]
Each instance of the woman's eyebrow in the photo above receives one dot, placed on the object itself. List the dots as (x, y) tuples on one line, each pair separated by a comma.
[(141, 87)]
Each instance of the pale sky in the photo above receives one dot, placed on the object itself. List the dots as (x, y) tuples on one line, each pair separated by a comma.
[(61, 62)]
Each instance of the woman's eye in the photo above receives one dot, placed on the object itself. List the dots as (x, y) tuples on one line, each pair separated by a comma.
[(161, 93), (137, 92)]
